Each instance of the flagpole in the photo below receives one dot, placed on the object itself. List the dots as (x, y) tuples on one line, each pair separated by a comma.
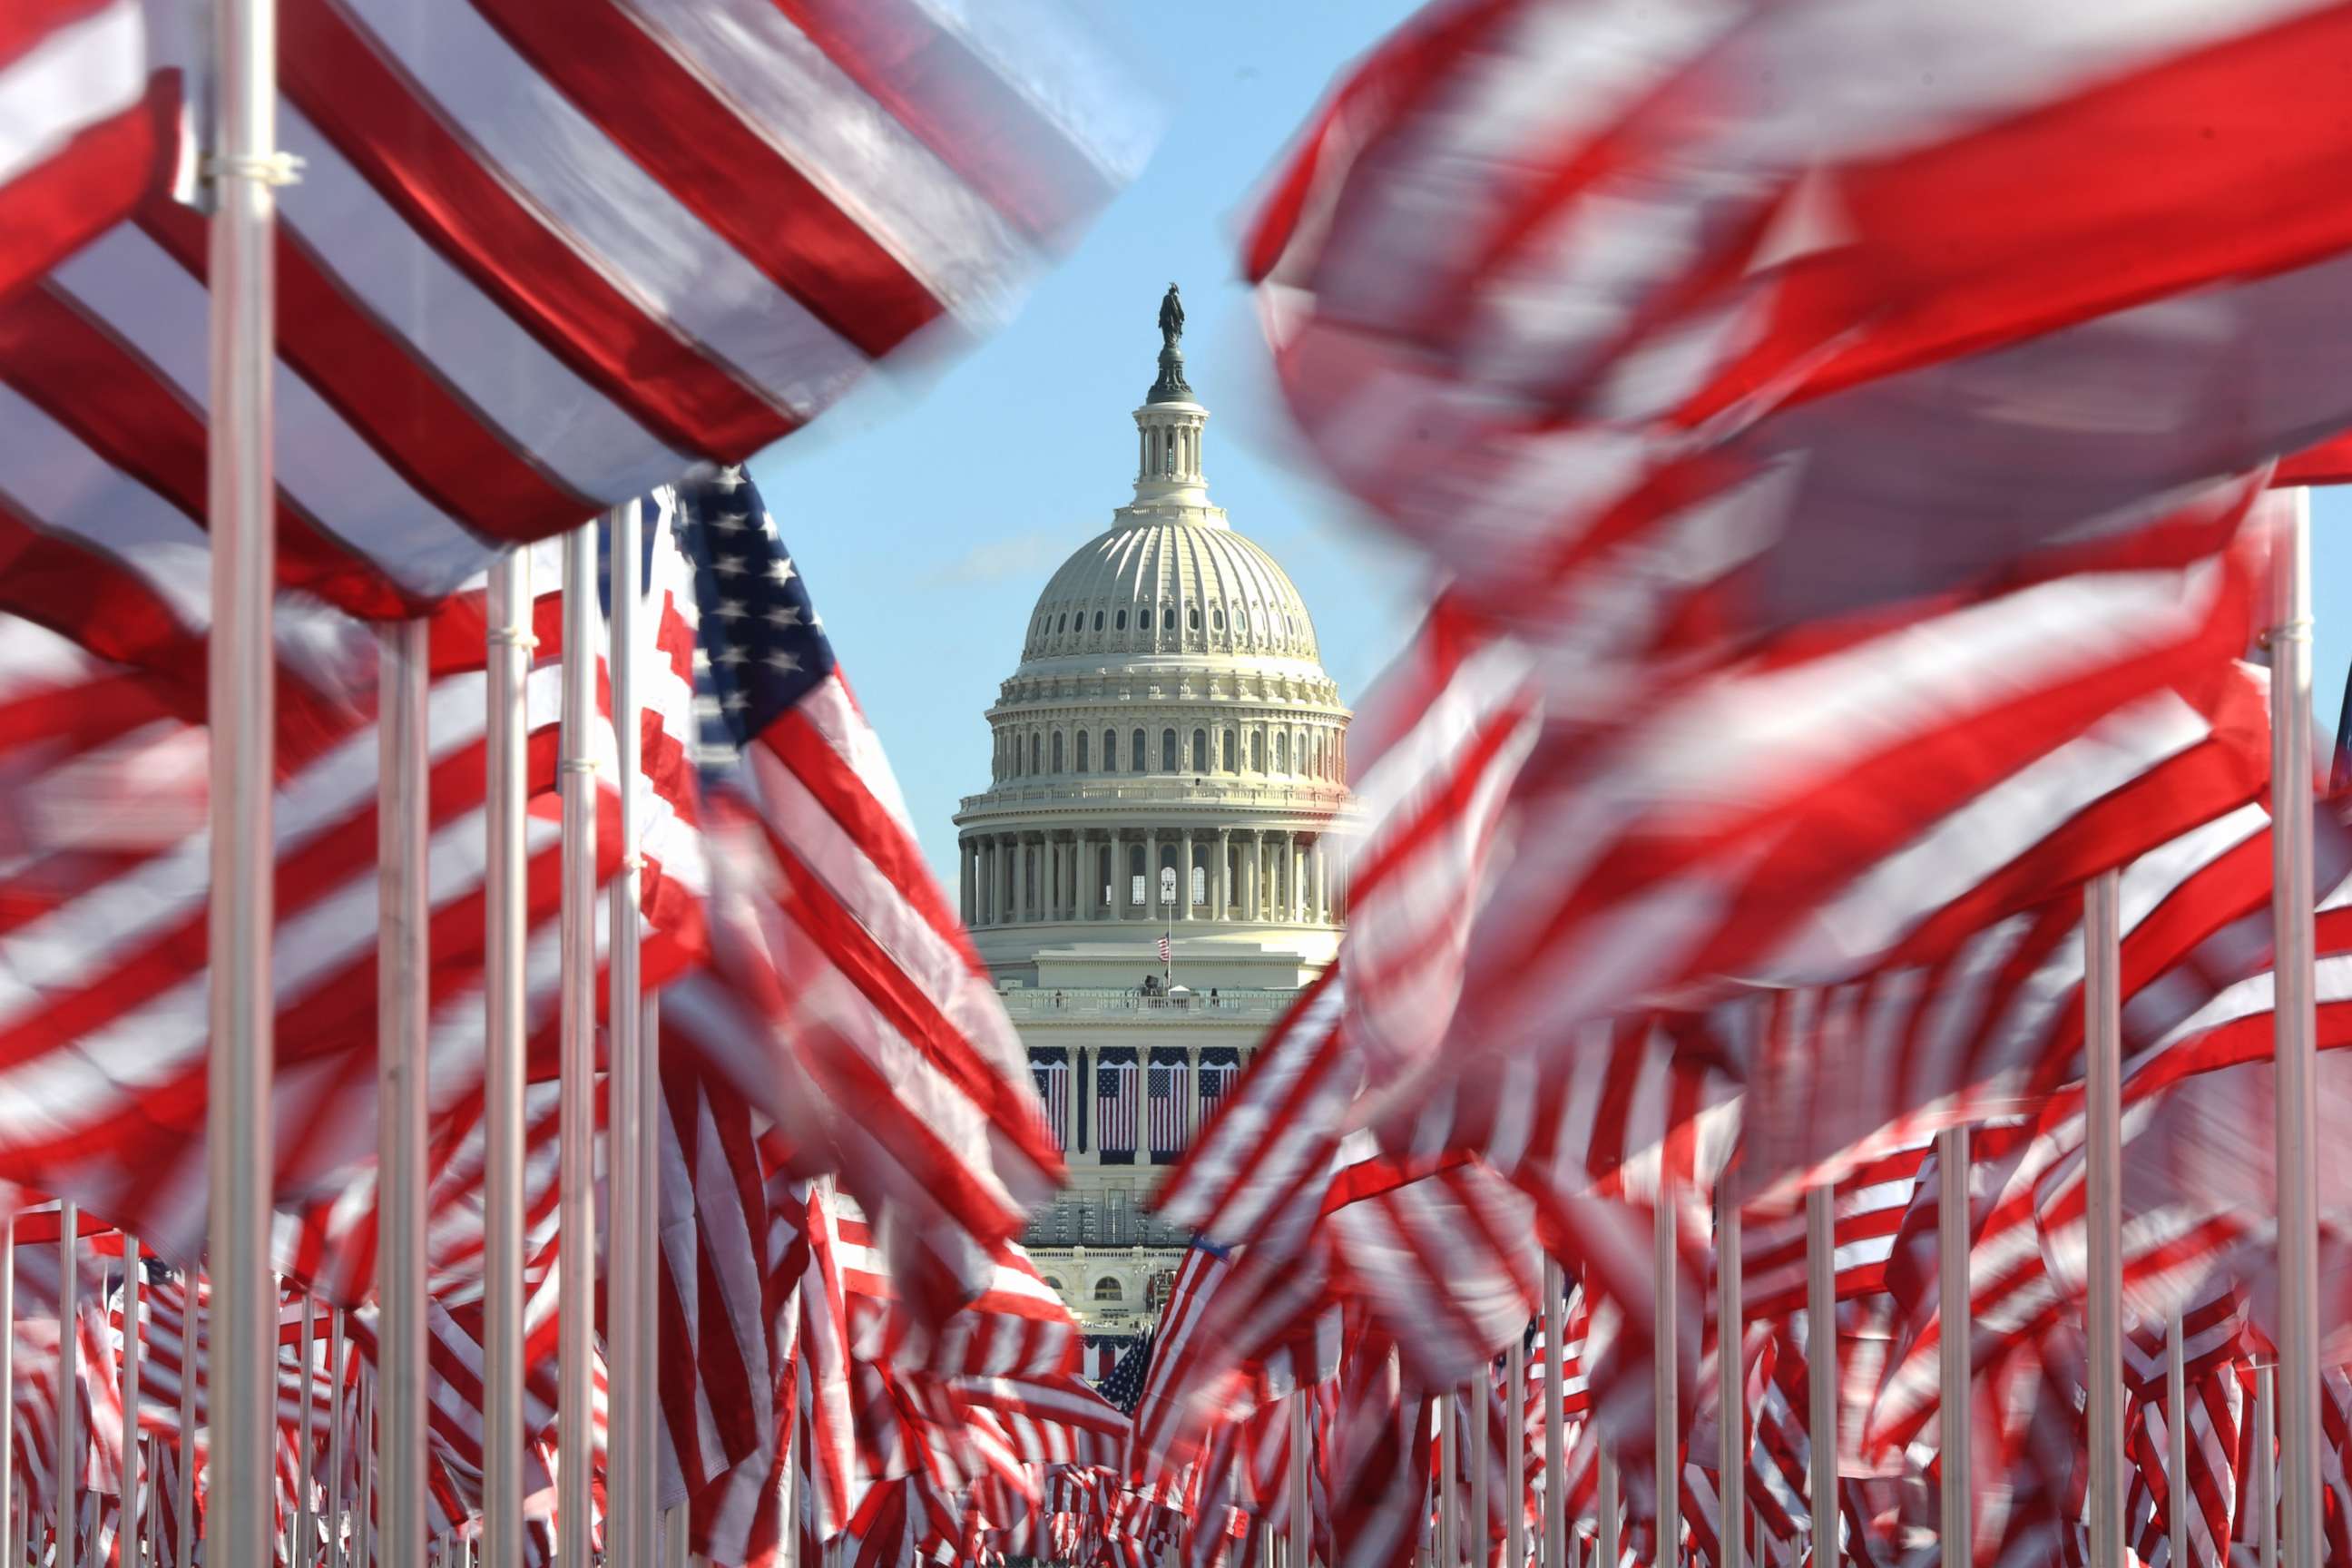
[(629, 1483), (576, 1174), (1479, 1414), (68, 1467), (183, 1501), (1821, 1366), (2176, 1440), (1448, 1528), (2102, 1216), (1955, 1340), (1666, 1348), (404, 980), (1607, 1542), (130, 1374), (2296, 1023), (304, 1504), (9, 1514), (1555, 1408), (338, 1360), (1514, 1472), (1302, 1526), (2265, 1478), (241, 716), (1730, 1390), (511, 640)]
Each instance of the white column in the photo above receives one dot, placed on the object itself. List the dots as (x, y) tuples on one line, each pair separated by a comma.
[(1223, 893), (1252, 850), (576, 1066), (1089, 882), (1185, 880), (2295, 1025)]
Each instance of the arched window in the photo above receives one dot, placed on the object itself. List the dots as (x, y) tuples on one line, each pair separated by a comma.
[(1167, 619), (1227, 764), (1110, 751), (1036, 761), (1139, 759), (1097, 620), (1061, 623), (1200, 751), (1217, 620), (1108, 1289), (1082, 751), (1192, 618), (1258, 753), (1057, 751), (1166, 751), (1245, 622), (1122, 621), (1053, 1283), (1282, 753)]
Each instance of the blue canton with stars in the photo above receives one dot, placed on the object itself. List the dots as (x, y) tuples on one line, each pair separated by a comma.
[(763, 648)]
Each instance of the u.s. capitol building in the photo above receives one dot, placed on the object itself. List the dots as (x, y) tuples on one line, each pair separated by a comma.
[(1168, 762)]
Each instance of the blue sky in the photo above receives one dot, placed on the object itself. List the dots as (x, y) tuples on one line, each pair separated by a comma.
[(926, 518), (927, 521)]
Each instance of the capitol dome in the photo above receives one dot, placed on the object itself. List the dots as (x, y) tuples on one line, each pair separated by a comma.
[(1169, 754)]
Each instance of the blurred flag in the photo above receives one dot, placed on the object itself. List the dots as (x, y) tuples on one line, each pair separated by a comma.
[(82, 124), (537, 263), (1124, 1386)]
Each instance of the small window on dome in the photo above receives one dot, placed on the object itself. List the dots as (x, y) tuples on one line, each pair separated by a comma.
[(1168, 619), (1110, 751), (1082, 751), (1192, 618), (1217, 620), (1244, 616), (1122, 621), (1097, 620), (1061, 625)]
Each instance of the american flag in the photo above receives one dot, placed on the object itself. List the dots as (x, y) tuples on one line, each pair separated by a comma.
[(538, 262), (1115, 1104), (1165, 952), (1050, 1067), (845, 999), (1124, 1386), (1219, 1065), (1169, 1077)]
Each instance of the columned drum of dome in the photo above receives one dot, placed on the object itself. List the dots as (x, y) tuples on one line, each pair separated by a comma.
[(1168, 762)]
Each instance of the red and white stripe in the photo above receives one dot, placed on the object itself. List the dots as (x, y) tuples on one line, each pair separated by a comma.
[(531, 270), (847, 1003), (84, 119)]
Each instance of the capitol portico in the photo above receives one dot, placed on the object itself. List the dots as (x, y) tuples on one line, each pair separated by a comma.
[(1168, 761)]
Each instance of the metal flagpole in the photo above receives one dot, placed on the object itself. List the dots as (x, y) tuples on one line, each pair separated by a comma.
[(402, 986), (1607, 1541), (8, 1513), (645, 1283), (192, 1314), (1478, 1412), (2265, 1500), (364, 1516), (674, 1537), (2103, 1218), (1515, 1471), (1955, 1345), (1449, 1553), (2296, 1023), (129, 1529), (509, 611), (338, 1359), (1666, 1347), (629, 1483), (2176, 1444), (1730, 1382), (305, 1502), (1821, 1365), (241, 715), (1555, 1405), (68, 1466), (1302, 1525), (576, 1175)]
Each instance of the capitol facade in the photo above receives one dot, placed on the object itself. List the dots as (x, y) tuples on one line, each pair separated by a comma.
[(1168, 765)]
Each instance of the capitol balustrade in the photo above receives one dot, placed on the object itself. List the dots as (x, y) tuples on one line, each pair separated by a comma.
[(1101, 1219), (1221, 790), (1096, 1004)]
